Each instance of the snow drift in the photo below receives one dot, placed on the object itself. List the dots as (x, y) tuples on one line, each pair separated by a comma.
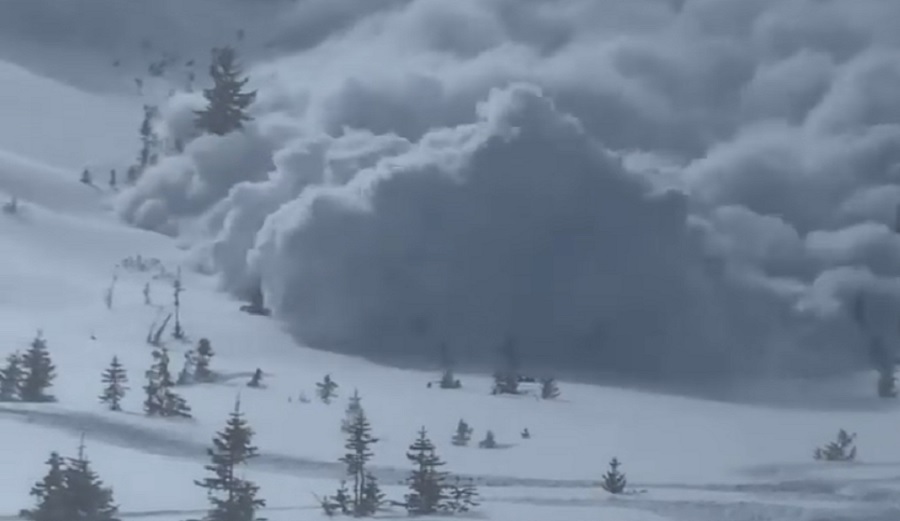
[(663, 188)]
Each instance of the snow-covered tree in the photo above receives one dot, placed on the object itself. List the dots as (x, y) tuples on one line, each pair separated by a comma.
[(359, 452), (614, 481), (87, 497), (226, 110), (50, 493), (488, 442), (202, 372), (115, 379), (462, 435), (462, 495), (842, 449), (232, 498), (326, 389), (426, 481), (161, 400), (354, 408), (11, 379), (39, 372), (506, 378), (549, 389)]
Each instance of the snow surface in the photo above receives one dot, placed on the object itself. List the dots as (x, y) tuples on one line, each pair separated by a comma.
[(687, 459)]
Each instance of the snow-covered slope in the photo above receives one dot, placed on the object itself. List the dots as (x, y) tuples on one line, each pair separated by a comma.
[(687, 459)]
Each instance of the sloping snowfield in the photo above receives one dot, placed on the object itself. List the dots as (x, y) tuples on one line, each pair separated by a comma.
[(687, 459)]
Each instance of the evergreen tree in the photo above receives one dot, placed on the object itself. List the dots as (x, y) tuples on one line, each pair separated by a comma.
[(204, 356), (50, 493), (506, 379), (177, 289), (449, 380), (186, 375), (115, 379), (232, 498), (884, 362), (39, 372), (354, 408), (462, 495), (161, 400), (463, 434), (488, 442), (149, 144), (86, 177), (326, 389), (11, 379), (227, 101), (426, 482), (549, 389), (87, 497), (256, 379), (358, 444), (372, 496), (614, 481), (843, 449)]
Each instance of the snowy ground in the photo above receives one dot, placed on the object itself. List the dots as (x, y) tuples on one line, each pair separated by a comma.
[(687, 459)]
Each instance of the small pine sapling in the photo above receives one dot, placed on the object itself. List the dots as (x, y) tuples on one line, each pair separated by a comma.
[(549, 389), (462, 435), (326, 389), (614, 481), (115, 378), (842, 449), (488, 442), (202, 372), (256, 379), (11, 378)]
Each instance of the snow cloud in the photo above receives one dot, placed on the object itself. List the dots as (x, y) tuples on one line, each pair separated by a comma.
[(661, 188)]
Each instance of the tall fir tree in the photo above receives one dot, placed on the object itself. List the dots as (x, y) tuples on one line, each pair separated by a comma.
[(232, 498), (226, 110), (88, 498), (202, 373), (359, 452), (39, 372), (426, 482), (326, 389), (115, 379), (11, 379), (354, 408)]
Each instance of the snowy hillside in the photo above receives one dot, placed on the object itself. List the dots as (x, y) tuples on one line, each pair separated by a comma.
[(381, 209)]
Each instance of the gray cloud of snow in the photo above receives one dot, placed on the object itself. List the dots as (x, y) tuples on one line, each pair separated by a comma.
[(658, 188)]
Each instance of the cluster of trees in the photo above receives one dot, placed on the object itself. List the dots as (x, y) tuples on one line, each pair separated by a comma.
[(28, 376)]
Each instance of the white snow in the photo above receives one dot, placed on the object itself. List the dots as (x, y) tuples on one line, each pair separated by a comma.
[(687, 458)]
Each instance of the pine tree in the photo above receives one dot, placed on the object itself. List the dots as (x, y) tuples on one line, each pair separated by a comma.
[(462, 495), (39, 372), (506, 379), (227, 102), (449, 380), (372, 496), (86, 177), (843, 449), (115, 379), (186, 375), (614, 481), (11, 379), (549, 389), (256, 379), (177, 289), (87, 498), (232, 498), (354, 408), (204, 356), (488, 442), (358, 445), (50, 493), (326, 389), (463, 434), (426, 482), (161, 400), (149, 144)]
